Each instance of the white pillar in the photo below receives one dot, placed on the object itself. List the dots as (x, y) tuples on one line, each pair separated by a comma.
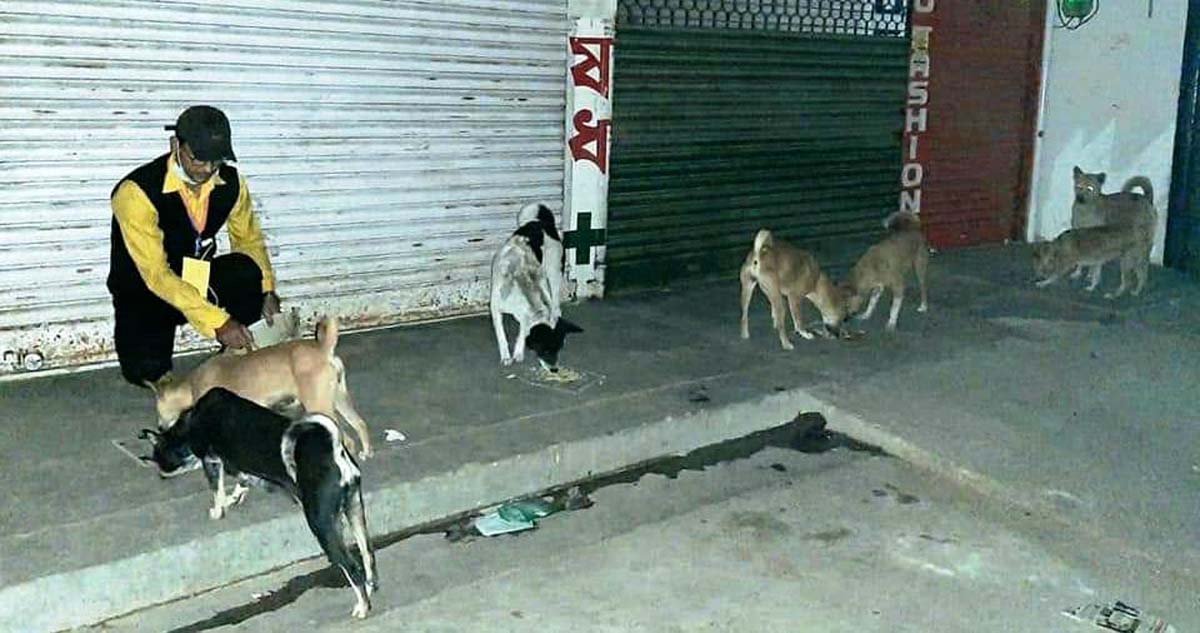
[(589, 136)]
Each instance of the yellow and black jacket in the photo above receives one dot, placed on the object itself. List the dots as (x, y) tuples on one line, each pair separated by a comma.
[(158, 220)]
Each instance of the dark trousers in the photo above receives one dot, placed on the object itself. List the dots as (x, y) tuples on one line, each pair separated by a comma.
[(145, 333)]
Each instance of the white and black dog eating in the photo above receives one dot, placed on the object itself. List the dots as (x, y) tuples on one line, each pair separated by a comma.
[(229, 434), (527, 283)]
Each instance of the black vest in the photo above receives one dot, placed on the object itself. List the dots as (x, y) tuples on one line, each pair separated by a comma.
[(179, 236)]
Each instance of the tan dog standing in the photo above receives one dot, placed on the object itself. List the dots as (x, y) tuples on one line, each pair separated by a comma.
[(1126, 208), (307, 371), (885, 264), (1091, 207), (1092, 247), (787, 273)]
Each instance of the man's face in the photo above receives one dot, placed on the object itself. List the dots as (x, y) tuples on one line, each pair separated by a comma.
[(198, 170)]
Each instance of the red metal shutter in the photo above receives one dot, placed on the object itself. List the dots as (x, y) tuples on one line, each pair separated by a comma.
[(968, 148)]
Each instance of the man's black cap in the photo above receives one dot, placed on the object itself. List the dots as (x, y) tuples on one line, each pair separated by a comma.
[(206, 132)]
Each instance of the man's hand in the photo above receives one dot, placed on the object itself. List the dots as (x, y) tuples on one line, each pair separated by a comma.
[(270, 307), (234, 335)]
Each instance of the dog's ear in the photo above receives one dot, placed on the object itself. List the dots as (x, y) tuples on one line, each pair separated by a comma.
[(1078, 172), (565, 327), (160, 385), (1100, 177)]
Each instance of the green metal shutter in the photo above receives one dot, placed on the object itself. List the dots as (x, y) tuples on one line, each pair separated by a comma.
[(720, 132)]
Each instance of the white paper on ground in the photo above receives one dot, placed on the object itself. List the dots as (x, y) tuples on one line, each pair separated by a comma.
[(392, 435)]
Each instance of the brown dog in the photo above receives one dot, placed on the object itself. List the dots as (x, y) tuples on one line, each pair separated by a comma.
[(1127, 207), (786, 272), (885, 264), (306, 371), (1092, 247)]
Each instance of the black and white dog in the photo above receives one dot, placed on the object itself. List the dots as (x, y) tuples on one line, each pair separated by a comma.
[(527, 276), (229, 434)]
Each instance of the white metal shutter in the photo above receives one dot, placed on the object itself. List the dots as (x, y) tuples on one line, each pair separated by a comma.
[(388, 145)]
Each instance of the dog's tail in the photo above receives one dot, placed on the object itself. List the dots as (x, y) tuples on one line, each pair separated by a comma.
[(1142, 182), (762, 241), (902, 221), (327, 334)]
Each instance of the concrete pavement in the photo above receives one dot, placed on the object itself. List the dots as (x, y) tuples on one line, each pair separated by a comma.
[(1052, 399), (778, 541)]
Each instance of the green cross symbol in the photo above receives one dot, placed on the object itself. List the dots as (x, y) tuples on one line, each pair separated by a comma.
[(584, 238)]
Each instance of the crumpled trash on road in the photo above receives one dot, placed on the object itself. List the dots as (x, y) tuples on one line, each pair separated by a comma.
[(492, 524), (392, 435), (1119, 616), (519, 515), (514, 516)]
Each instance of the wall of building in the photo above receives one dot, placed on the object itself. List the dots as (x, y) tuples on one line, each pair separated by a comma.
[(1111, 96)]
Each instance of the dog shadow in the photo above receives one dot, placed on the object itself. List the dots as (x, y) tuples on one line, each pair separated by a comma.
[(329, 577)]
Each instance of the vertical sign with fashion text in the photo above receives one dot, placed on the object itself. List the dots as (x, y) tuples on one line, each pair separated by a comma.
[(916, 110)]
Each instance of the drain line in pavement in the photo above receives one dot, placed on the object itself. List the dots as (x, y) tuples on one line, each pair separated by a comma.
[(805, 433)]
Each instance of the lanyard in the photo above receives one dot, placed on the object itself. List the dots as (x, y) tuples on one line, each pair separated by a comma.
[(206, 247)]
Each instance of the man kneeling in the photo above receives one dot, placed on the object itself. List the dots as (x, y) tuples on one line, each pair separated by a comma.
[(163, 269)]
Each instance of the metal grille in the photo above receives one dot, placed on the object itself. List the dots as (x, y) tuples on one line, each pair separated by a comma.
[(387, 143), (884, 18)]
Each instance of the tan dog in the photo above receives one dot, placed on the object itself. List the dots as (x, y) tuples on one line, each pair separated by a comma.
[(1092, 247), (884, 266), (787, 273), (1127, 208), (306, 371), (1093, 208)]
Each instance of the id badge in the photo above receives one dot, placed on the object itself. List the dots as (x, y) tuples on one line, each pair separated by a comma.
[(195, 273)]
